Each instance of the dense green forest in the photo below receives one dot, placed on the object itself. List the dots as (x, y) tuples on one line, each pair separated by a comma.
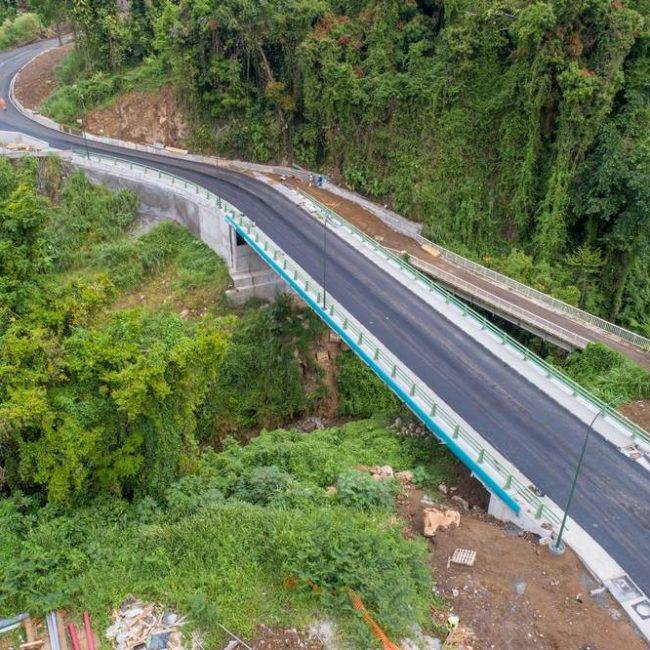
[(517, 131)]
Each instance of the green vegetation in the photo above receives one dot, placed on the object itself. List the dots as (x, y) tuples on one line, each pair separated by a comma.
[(360, 392), (608, 374), (241, 541), (19, 29), (517, 131), (104, 389), (96, 88)]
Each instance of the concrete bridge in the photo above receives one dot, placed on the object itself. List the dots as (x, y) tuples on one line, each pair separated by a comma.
[(516, 422)]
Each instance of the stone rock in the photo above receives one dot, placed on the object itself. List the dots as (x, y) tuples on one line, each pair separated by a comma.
[(460, 501), (435, 519), (404, 477), (442, 488)]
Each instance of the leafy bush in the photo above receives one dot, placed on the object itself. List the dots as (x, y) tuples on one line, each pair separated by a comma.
[(360, 391), (608, 374), (262, 485), (261, 380), (361, 491), (222, 560), (22, 29)]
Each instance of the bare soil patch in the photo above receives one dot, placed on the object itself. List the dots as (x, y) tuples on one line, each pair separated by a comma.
[(517, 595), (148, 117), (280, 639), (638, 412), (37, 81)]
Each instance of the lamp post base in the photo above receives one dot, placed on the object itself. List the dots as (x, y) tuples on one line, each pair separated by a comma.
[(557, 549)]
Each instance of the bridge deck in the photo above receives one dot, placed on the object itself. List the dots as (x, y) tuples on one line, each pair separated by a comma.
[(470, 284)]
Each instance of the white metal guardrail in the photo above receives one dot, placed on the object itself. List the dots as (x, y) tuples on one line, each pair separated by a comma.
[(579, 314), (508, 307), (635, 432)]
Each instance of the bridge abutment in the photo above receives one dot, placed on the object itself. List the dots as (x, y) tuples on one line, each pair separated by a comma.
[(251, 277)]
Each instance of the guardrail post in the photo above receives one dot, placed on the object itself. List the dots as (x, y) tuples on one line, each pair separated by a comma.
[(481, 455), (508, 483), (393, 372), (307, 285), (360, 339), (540, 511), (434, 408), (345, 323), (376, 354), (457, 431)]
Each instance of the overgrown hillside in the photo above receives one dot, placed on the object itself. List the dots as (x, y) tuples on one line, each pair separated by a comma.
[(118, 355), (125, 380), (516, 130)]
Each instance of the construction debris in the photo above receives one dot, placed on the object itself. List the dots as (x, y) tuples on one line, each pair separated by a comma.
[(464, 556), (139, 625), (435, 518)]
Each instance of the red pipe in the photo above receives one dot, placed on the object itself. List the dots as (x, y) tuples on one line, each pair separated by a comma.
[(74, 637), (90, 639)]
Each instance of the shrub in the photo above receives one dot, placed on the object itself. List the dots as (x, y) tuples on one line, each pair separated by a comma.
[(361, 491), (22, 29), (608, 374), (262, 485), (360, 391)]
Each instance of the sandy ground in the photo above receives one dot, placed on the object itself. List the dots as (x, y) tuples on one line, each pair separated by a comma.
[(517, 595)]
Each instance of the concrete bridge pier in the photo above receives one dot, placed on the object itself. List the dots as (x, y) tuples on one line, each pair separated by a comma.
[(499, 510)]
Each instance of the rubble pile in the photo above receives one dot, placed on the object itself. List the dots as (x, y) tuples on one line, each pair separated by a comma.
[(412, 429), (140, 626)]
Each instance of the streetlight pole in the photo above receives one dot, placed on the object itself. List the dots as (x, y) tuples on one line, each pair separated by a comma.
[(324, 260), (80, 121), (558, 547)]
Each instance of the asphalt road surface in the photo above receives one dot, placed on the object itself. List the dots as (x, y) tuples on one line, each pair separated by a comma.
[(541, 438)]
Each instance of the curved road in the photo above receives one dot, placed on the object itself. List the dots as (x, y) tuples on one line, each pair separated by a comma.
[(541, 438)]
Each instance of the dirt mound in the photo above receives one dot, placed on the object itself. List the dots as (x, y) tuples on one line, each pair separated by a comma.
[(142, 116), (37, 81), (516, 595)]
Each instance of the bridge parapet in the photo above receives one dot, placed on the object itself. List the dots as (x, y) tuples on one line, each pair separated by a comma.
[(570, 390)]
